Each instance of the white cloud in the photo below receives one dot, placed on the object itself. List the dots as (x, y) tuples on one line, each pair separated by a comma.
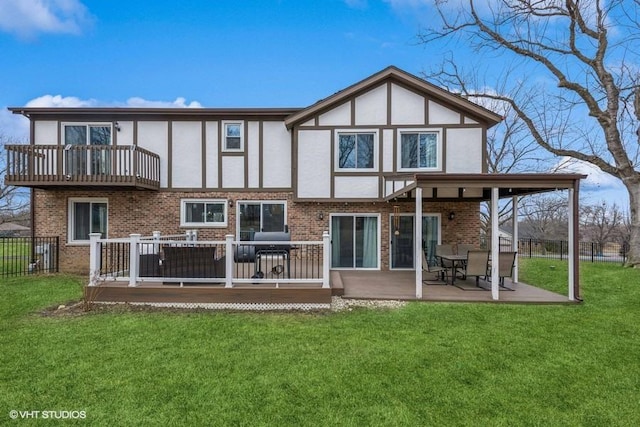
[(178, 103), (13, 127), (59, 101), (27, 18), (596, 178)]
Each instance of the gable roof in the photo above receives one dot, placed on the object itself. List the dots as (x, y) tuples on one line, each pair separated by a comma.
[(400, 76)]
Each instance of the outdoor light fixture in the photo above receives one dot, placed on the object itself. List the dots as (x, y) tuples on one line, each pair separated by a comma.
[(320, 216), (117, 126), (452, 216), (230, 203)]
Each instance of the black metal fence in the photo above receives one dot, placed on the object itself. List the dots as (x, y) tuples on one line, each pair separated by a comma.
[(559, 249), (28, 255)]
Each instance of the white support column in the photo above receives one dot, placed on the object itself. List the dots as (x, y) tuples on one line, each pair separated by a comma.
[(228, 269), (515, 238), (495, 246), (572, 238), (326, 258), (134, 259), (94, 258), (156, 246), (417, 238)]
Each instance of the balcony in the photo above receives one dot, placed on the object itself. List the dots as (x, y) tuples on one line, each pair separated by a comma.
[(82, 166)]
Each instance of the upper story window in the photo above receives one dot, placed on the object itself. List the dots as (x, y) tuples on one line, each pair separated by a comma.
[(87, 134), (87, 148), (420, 150), (203, 213), (233, 136), (356, 150)]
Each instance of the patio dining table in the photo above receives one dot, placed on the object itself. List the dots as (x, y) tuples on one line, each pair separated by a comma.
[(456, 262)]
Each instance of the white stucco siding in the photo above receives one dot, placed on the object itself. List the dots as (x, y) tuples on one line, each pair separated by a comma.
[(371, 107), (154, 136), (314, 164), (387, 150), (407, 108), (253, 152), (211, 156), (124, 136), (46, 132), (233, 172), (441, 115), (464, 150), (276, 167), (186, 146), (356, 187), (339, 116)]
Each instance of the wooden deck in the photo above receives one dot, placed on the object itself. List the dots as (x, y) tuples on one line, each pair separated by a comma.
[(400, 285), (394, 285)]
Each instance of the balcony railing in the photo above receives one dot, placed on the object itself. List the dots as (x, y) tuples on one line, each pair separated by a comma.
[(43, 166)]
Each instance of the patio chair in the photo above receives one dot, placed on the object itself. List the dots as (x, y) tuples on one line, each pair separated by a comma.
[(463, 248), (438, 270), (477, 263), (444, 250), (505, 267)]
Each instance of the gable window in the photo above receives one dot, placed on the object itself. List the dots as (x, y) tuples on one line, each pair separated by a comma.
[(233, 136), (87, 216), (87, 149), (203, 213), (356, 150), (261, 216), (420, 150)]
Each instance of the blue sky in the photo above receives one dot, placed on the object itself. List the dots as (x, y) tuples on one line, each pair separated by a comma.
[(215, 53)]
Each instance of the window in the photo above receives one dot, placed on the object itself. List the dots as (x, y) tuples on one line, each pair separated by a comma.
[(203, 213), (354, 241), (261, 216), (419, 150), (86, 149), (87, 216), (356, 150), (233, 140)]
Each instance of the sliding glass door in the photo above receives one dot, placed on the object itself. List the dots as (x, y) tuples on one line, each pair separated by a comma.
[(402, 230), (355, 241)]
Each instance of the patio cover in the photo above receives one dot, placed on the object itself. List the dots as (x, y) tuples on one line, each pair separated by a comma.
[(490, 187)]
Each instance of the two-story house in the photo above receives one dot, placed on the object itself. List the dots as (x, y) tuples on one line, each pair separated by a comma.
[(353, 163)]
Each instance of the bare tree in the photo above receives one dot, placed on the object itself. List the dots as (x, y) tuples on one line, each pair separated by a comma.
[(570, 73), (601, 223), (13, 200)]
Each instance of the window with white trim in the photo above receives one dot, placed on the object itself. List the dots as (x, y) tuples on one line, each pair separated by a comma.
[(233, 136), (419, 150), (356, 150), (203, 213), (256, 216), (87, 215)]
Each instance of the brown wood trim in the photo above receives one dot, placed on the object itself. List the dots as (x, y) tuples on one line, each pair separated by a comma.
[(203, 143), (135, 133), (352, 112), (170, 154), (260, 154), (245, 152), (220, 151), (294, 160), (332, 162), (389, 104)]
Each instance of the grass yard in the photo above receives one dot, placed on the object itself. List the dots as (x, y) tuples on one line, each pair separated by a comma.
[(425, 364)]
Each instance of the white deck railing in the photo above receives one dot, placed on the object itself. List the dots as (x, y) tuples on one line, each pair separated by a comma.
[(183, 259)]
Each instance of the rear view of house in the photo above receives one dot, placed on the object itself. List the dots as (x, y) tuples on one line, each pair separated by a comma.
[(353, 164)]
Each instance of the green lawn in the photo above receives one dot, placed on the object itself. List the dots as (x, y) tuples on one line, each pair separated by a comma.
[(426, 364)]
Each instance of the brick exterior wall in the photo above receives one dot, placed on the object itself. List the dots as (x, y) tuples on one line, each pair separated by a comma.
[(146, 211)]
